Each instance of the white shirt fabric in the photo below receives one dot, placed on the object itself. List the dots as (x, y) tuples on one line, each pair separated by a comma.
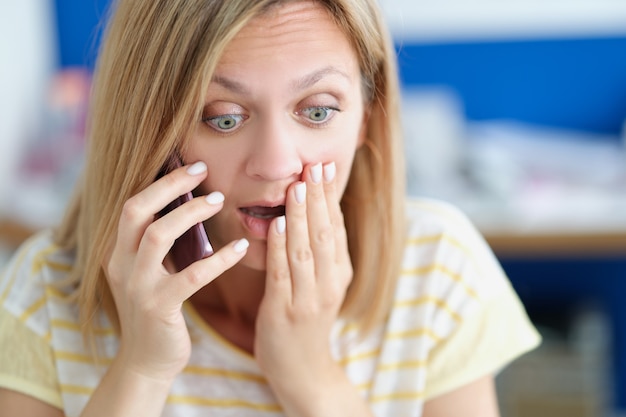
[(455, 318)]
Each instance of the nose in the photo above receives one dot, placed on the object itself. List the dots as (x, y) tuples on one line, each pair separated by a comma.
[(274, 155)]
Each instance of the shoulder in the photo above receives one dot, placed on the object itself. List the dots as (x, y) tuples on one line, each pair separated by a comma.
[(448, 273), (32, 278), (435, 217), (443, 242)]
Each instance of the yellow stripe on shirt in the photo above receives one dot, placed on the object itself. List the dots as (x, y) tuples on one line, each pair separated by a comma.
[(444, 270), (222, 403), (422, 331), (397, 396), (76, 389), (402, 365), (36, 306), (359, 357), (197, 370), (427, 240), (429, 299), (16, 269), (81, 358), (70, 325)]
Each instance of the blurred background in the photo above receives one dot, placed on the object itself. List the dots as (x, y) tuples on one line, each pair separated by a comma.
[(514, 111)]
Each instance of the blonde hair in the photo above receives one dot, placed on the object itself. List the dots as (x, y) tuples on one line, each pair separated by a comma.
[(157, 60)]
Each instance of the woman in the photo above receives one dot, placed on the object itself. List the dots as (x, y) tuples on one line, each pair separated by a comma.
[(326, 295)]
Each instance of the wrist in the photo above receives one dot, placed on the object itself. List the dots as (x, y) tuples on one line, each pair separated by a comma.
[(125, 392), (159, 373), (329, 393)]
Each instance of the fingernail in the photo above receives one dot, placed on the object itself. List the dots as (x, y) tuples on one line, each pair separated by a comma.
[(215, 198), (280, 225), (316, 173), (330, 171), (301, 192), (241, 245), (197, 168)]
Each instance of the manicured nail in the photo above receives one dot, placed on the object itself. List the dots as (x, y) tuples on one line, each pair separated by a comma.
[(301, 192), (280, 225), (316, 173), (330, 171), (197, 168), (241, 245), (215, 198)]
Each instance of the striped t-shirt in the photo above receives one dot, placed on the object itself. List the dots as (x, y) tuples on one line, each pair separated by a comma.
[(454, 319)]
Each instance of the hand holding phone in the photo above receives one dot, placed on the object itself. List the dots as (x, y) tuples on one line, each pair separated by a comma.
[(194, 244)]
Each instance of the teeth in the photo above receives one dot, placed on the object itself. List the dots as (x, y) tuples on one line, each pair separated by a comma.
[(264, 216), (260, 216)]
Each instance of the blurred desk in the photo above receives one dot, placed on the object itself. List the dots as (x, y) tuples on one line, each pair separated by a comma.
[(561, 270), (562, 245)]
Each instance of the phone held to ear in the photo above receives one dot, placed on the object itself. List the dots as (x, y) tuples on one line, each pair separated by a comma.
[(194, 244)]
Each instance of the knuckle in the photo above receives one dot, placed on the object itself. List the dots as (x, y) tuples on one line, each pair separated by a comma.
[(131, 210), (112, 272), (154, 236), (279, 274), (194, 275), (304, 312), (331, 300), (325, 234), (220, 262), (303, 254), (170, 180)]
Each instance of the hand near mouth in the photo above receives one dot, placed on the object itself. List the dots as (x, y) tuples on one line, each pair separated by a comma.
[(308, 273)]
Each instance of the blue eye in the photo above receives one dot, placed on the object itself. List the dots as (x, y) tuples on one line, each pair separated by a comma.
[(224, 122), (317, 115)]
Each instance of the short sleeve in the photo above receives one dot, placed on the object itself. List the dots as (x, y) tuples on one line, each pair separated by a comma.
[(484, 343), (489, 327), (27, 363)]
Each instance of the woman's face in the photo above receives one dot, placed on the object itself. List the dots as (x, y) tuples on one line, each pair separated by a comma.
[(285, 94)]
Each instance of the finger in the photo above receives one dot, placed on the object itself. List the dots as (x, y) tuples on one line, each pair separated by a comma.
[(299, 253), (341, 252), (321, 234), (278, 287), (161, 234), (182, 285), (139, 211)]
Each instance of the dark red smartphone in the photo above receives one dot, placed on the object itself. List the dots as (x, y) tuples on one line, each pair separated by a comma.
[(194, 244)]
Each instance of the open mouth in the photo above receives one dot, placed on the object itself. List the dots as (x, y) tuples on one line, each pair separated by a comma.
[(264, 213)]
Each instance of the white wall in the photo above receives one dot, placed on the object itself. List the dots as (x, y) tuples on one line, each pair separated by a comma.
[(454, 20), (28, 55)]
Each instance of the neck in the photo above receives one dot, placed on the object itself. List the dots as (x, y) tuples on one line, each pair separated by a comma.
[(236, 294)]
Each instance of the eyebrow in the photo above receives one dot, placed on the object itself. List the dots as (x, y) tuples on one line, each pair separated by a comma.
[(231, 85), (302, 83), (311, 79)]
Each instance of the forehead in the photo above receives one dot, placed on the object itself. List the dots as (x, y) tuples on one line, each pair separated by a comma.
[(285, 26)]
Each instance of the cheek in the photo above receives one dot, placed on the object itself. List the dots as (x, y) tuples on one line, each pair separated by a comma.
[(223, 164)]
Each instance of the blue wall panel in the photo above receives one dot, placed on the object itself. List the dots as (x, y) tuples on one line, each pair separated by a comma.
[(577, 84), (572, 83), (78, 24)]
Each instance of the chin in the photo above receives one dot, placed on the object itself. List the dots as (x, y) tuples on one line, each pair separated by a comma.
[(256, 257)]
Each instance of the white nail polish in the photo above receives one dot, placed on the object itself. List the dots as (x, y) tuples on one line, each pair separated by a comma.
[(329, 172), (281, 225), (301, 192), (197, 168), (215, 198), (241, 245), (316, 173)]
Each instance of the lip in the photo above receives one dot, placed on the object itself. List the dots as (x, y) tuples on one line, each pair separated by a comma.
[(256, 226)]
